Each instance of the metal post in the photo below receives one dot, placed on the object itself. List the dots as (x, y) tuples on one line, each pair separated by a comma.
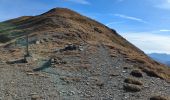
[(27, 46)]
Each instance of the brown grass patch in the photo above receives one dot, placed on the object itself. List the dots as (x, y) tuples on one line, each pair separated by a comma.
[(132, 88), (133, 81), (152, 73), (158, 98), (70, 79), (136, 73)]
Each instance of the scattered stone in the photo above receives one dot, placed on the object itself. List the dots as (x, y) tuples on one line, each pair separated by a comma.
[(125, 67), (35, 97), (30, 73), (52, 60), (132, 88), (70, 47), (28, 59), (57, 60), (11, 83), (87, 83), (136, 73), (100, 84), (41, 41), (158, 98), (81, 48), (71, 93), (133, 81), (2, 62), (37, 42), (114, 74), (45, 39), (97, 30), (152, 82)]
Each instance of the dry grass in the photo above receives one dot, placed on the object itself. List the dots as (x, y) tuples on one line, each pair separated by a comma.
[(113, 55), (133, 81), (152, 73), (70, 79), (136, 73), (147, 65), (76, 53), (159, 98), (132, 88)]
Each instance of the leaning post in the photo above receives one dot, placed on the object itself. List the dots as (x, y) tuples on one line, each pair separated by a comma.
[(27, 46), (27, 54)]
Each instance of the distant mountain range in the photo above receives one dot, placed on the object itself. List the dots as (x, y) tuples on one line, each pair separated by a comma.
[(161, 57)]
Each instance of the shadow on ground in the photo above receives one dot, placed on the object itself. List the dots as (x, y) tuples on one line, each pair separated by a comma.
[(16, 61), (47, 64)]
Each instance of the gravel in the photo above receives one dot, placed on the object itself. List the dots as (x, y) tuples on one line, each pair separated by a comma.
[(102, 78)]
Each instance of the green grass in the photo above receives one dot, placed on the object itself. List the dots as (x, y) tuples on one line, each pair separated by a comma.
[(5, 27), (8, 31)]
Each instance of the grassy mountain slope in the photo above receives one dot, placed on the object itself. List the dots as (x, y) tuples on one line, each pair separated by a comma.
[(75, 56)]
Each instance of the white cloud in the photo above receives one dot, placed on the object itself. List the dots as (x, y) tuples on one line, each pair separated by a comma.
[(165, 4), (111, 23), (149, 43), (130, 18), (85, 2), (164, 30)]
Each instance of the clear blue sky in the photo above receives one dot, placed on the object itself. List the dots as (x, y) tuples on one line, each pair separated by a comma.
[(145, 23)]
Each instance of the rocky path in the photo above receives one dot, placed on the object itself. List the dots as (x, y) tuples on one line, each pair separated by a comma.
[(16, 84), (91, 74)]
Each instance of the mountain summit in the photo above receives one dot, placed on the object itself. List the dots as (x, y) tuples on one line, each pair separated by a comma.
[(61, 12), (74, 57)]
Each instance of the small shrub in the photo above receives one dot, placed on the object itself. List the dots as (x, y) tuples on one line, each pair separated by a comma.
[(70, 79), (126, 68), (113, 55), (133, 81), (139, 60), (136, 73), (132, 88), (4, 38), (151, 73), (97, 30), (158, 98)]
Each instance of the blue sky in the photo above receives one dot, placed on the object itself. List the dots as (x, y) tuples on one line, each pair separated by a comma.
[(145, 23)]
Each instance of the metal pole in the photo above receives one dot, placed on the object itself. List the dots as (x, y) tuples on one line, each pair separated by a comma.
[(27, 45)]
